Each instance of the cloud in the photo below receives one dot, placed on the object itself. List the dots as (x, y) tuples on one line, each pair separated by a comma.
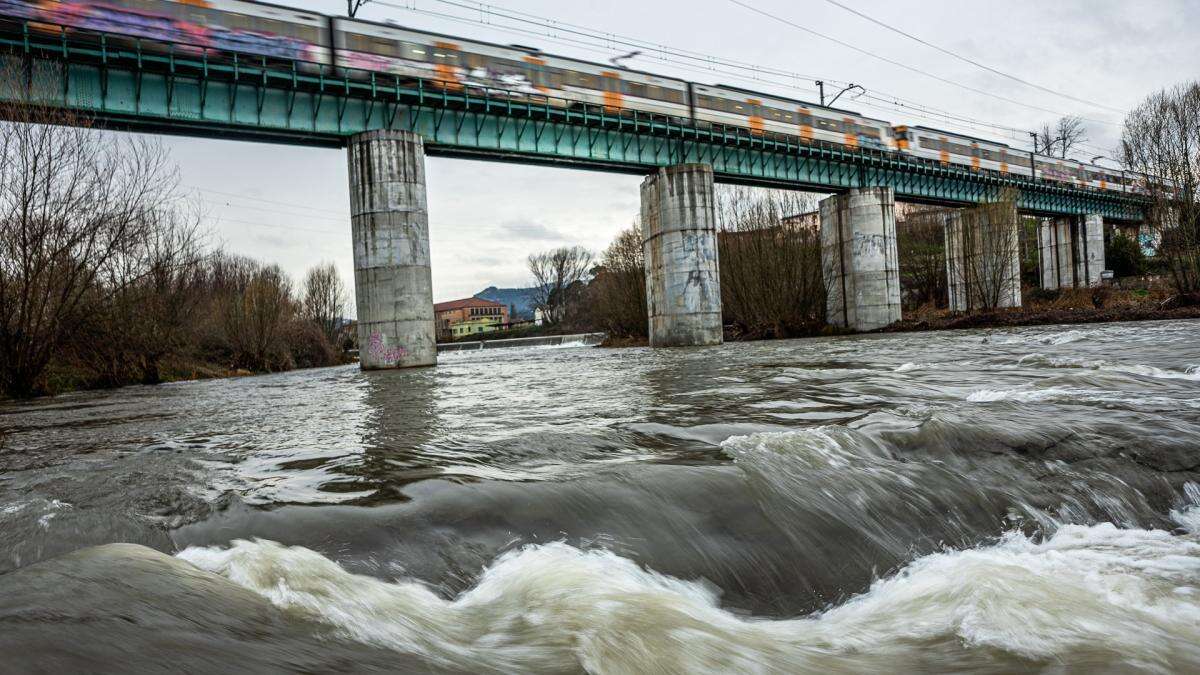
[(530, 231)]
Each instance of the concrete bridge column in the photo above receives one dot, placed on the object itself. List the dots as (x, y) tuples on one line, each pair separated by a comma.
[(859, 261), (983, 257), (1089, 250), (679, 240), (389, 222), (1054, 253)]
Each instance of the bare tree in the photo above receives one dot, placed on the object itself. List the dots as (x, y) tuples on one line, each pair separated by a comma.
[(617, 293), (77, 207), (1162, 140), (983, 261), (771, 284), (555, 274), (256, 317), (325, 299), (151, 314), (1059, 139), (920, 241)]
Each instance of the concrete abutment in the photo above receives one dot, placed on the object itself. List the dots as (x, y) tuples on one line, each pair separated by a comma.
[(679, 241), (983, 257), (859, 261), (1071, 251), (389, 222)]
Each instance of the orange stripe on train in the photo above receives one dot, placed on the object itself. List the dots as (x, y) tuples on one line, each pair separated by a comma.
[(756, 121), (447, 73), (613, 100)]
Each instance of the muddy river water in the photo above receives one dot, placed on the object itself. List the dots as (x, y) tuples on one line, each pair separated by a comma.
[(985, 501)]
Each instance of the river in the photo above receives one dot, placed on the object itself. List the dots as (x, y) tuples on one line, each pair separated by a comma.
[(984, 501)]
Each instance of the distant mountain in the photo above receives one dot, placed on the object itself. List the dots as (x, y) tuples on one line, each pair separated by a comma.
[(519, 300)]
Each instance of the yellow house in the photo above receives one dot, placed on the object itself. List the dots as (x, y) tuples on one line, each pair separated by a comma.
[(477, 324)]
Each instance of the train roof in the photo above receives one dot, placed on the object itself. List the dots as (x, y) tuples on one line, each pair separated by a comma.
[(797, 101), (958, 135), (521, 48), (273, 5)]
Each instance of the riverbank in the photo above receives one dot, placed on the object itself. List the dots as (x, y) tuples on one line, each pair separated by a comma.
[(1083, 306), (66, 378), (1045, 316)]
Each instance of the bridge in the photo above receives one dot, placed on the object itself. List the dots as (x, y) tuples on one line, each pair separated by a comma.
[(389, 125)]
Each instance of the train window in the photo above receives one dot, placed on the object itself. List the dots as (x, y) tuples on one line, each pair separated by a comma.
[(445, 56), (871, 132), (830, 125), (384, 47), (583, 80), (358, 43), (310, 34), (634, 89), (929, 143), (470, 60), (236, 21), (414, 52)]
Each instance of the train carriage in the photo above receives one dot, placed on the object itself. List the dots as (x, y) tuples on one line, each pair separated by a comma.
[(513, 70), (196, 25), (761, 113), (973, 153)]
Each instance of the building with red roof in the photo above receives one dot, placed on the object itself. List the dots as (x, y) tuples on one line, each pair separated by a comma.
[(459, 318)]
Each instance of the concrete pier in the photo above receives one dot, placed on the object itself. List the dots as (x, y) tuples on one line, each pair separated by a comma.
[(1089, 247), (1071, 251), (859, 261), (1055, 254), (679, 240), (983, 257), (390, 224)]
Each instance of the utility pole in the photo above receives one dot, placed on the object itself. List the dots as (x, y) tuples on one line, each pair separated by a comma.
[(821, 89), (1033, 156)]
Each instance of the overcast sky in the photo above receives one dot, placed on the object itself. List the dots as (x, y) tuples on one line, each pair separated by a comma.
[(290, 205)]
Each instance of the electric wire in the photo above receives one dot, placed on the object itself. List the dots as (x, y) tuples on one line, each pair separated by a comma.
[(261, 199), (875, 99), (969, 60), (885, 59)]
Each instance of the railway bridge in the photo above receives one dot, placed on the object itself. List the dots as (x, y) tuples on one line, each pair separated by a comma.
[(389, 125)]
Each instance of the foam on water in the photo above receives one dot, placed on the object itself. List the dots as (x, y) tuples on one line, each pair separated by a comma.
[(1085, 596)]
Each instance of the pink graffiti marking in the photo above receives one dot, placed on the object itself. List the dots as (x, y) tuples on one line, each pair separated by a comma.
[(382, 352)]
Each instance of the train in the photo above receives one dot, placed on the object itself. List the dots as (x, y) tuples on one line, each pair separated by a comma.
[(526, 73)]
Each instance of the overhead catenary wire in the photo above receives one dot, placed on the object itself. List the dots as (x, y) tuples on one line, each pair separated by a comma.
[(285, 214), (905, 66), (251, 223), (969, 60), (875, 99), (264, 200)]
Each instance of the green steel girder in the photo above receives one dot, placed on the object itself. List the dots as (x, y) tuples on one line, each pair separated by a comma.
[(154, 88)]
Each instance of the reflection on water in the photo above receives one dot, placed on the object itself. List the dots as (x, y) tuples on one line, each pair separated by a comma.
[(926, 499)]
